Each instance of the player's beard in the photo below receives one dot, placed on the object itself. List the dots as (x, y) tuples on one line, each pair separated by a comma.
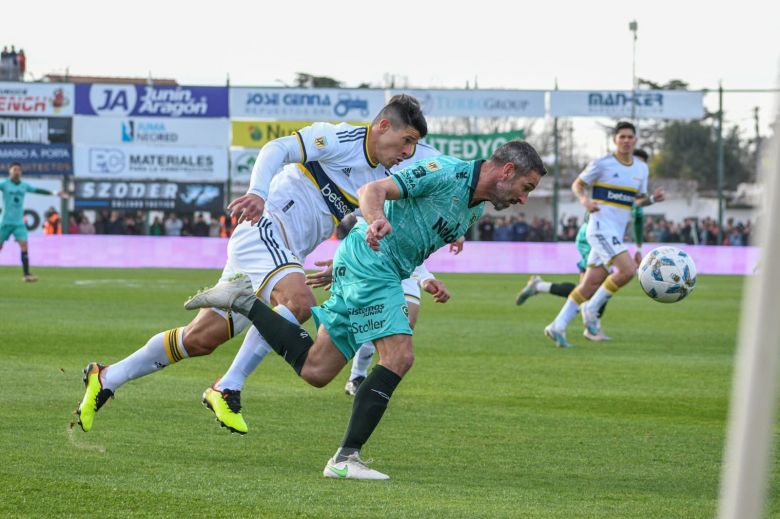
[(502, 197)]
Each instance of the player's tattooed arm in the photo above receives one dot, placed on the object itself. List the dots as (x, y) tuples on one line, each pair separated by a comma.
[(579, 188)]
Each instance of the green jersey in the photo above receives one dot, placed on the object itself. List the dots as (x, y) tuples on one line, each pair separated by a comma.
[(434, 209), (13, 200)]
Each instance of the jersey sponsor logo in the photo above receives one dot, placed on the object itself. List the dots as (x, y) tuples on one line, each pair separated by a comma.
[(446, 233), (335, 199), (367, 311), (461, 175), (320, 142), (369, 326), (419, 172), (614, 195), (433, 166), (339, 204)]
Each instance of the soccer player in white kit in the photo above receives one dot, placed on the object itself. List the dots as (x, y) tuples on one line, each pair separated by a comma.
[(617, 182), (301, 187)]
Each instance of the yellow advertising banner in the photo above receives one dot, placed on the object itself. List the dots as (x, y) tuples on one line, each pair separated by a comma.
[(254, 134)]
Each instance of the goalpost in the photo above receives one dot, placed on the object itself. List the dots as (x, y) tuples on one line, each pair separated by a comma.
[(751, 422)]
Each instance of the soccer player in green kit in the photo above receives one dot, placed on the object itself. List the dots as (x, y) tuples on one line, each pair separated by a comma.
[(409, 215), (12, 221)]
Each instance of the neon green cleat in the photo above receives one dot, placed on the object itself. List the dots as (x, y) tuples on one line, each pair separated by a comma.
[(226, 405), (94, 397)]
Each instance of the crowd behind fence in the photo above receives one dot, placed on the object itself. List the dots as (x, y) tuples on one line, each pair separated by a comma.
[(516, 228)]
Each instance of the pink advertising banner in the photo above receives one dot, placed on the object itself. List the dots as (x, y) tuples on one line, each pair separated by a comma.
[(210, 253)]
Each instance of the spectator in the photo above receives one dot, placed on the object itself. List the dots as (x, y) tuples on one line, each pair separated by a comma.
[(115, 224), (486, 228), (52, 224), (186, 226), (156, 229), (101, 221), (520, 229), (200, 227), (503, 230), (73, 224), (22, 63), (86, 227), (173, 226), (214, 226), (227, 224), (132, 226)]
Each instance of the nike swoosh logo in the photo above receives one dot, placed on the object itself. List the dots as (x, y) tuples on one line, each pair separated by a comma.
[(342, 473), (383, 395)]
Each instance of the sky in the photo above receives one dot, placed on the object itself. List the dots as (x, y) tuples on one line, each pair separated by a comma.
[(498, 44)]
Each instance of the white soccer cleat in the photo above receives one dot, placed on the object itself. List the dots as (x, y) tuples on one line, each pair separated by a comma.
[(352, 386), (590, 319), (352, 468), (236, 294), (558, 337), (601, 336), (529, 290)]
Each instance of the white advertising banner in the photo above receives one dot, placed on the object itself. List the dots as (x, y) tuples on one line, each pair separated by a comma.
[(306, 104), (150, 163), (649, 104), (479, 103), (242, 160), (54, 99), (148, 131)]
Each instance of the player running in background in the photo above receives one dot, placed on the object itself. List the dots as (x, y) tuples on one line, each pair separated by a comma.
[(408, 217), (617, 182), (537, 285), (287, 214), (12, 220)]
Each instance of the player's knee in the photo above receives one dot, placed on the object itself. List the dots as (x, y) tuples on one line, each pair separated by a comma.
[(400, 363), (315, 376), (300, 305)]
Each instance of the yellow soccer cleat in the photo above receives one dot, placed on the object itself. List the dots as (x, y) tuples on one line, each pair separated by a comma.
[(226, 405), (94, 397)]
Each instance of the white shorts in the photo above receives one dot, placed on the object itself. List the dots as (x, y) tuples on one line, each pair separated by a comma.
[(258, 252), (411, 291), (604, 246)]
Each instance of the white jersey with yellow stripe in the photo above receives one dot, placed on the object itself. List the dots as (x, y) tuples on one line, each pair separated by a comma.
[(308, 198), (615, 185)]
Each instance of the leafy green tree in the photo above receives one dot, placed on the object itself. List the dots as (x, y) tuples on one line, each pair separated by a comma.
[(689, 151)]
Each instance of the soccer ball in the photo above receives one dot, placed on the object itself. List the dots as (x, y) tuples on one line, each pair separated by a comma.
[(667, 274)]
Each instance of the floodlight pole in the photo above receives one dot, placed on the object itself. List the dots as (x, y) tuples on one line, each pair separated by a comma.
[(556, 174), (720, 164), (633, 26)]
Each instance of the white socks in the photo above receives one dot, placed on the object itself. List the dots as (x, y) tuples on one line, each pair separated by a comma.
[(567, 313), (159, 351), (253, 350), (362, 360)]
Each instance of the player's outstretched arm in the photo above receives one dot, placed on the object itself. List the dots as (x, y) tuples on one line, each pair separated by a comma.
[(372, 204), (321, 278), (272, 157)]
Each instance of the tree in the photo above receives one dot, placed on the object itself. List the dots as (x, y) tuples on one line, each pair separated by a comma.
[(304, 80), (689, 151)]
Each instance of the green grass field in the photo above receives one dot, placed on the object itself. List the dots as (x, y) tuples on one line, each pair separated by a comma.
[(492, 421)]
